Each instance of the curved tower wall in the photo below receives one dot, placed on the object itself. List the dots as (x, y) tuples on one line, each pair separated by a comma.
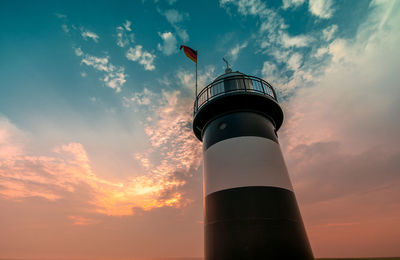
[(250, 210)]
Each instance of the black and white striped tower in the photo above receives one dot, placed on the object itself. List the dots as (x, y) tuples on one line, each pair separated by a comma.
[(250, 210)]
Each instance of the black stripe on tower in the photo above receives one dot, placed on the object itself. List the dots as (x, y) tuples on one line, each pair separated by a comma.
[(238, 124), (254, 223), (249, 222)]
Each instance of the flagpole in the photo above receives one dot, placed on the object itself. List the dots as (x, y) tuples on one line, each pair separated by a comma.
[(196, 85)]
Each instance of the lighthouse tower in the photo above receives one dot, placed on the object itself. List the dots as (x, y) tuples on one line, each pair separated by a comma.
[(250, 210)]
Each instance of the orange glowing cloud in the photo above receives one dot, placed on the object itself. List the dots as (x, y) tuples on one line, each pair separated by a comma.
[(68, 167)]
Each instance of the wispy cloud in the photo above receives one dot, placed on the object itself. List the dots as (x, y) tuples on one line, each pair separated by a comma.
[(89, 35), (175, 18), (320, 52), (329, 31), (171, 2), (82, 221), (291, 3), (169, 45), (321, 8), (125, 35), (142, 56), (174, 153), (125, 39), (248, 7), (168, 128), (276, 42), (294, 61), (187, 78), (64, 19), (139, 98), (113, 76), (269, 70), (11, 140), (127, 25), (60, 15), (295, 41), (234, 52)]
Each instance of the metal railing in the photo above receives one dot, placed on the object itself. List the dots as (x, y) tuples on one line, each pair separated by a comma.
[(237, 83)]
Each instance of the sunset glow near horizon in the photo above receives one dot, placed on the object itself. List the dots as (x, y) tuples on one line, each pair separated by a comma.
[(97, 155)]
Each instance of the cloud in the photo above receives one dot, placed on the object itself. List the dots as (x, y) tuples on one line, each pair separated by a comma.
[(115, 79), (284, 67), (89, 35), (187, 78), (248, 7), (170, 135), (291, 3), (329, 31), (340, 138), (78, 52), (169, 45), (321, 8), (269, 70), (67, 170), (339, 49), (174, 154), (174, 17), (113, 76), (321, 52), (294, 61), (296, 41), (234, 52), (82, 221), (60, 16), (125, 35), (11, 140), (65, 28), (144, 57), (127, 25), (64, 19), (125, 39), (142, 98), (122, 40)]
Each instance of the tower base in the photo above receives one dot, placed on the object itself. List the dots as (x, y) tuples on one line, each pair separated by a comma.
[(254, 223)]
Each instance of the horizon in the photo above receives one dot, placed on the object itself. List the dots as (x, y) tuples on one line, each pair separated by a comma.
[(98, 159)]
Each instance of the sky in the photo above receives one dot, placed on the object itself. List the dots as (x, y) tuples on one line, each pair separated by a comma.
[(97, 155)]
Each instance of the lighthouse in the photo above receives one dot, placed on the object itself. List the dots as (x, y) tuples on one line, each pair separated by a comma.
[(250, 209)]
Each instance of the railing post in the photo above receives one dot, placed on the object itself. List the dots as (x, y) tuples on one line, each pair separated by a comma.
[(262, 87), (273, 91)]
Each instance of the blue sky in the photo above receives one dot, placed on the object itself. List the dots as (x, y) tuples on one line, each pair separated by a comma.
[(96, 103)]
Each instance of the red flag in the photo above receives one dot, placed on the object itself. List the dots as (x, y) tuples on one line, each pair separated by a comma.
[(189, 52)]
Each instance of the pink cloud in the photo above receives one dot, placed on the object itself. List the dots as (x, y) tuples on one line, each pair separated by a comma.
[(341, 143), (82, 221)]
